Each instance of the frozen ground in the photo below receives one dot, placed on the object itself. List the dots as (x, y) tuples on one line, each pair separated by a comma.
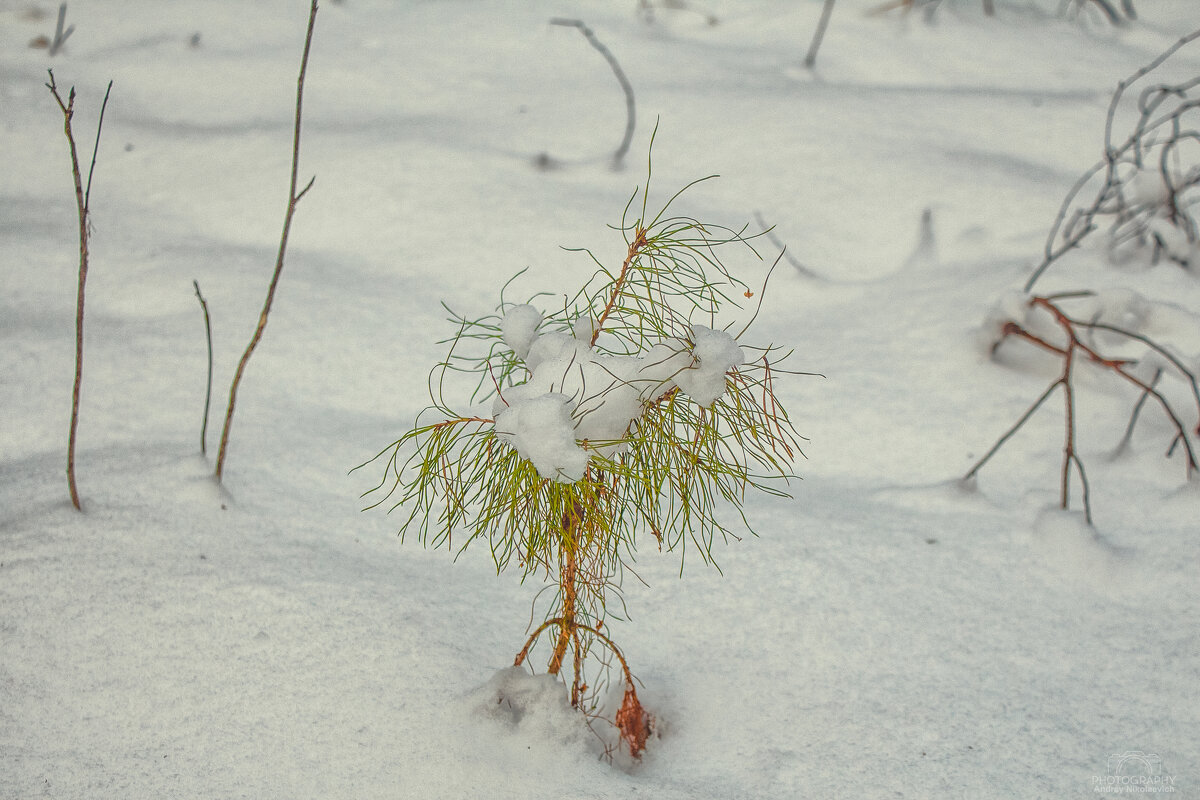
[(890, 634)]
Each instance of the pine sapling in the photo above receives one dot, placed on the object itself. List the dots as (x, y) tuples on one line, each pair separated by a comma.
[(628, 411)]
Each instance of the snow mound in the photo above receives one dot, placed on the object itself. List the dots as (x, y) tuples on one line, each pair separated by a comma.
[(716, 353), (1070, 548), (534, 708)]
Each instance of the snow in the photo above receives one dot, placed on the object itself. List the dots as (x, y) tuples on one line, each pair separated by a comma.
[(540, 428), (715, 353), (577, 398), (519, 328), (890, 632)]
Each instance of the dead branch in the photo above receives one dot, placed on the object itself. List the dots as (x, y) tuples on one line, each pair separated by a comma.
[(1074, 348), (1128, 168), (294, 198), (82, 196), (208, 388)]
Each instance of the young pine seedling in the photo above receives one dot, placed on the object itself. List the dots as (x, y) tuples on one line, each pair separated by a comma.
[(627, 412)]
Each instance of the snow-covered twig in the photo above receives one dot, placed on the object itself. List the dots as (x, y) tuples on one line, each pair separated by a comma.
[(1144, 181)]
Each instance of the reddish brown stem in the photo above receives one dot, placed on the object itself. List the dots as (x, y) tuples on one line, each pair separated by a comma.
[(1068, 352), (81, 203), (566, 582), (635, 249)]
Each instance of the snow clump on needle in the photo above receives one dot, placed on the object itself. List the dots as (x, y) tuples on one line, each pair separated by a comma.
[(575, 394)]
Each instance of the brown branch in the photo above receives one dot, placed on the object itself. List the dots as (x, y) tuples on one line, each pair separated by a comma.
[(568, 569), (293, 199), (81, 204), (1117, 366), (635, 249), (1070, 456)]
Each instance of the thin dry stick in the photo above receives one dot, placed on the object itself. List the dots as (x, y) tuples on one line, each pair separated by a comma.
[(293, 201), (81, 202), (208, 388), (1011, 431), (1070, 455), (1133, 417)]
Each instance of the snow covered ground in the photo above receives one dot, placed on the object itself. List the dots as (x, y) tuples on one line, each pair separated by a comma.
[(889, 634)]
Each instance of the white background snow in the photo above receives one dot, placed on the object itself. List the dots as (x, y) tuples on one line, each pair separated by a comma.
[(888, 634)]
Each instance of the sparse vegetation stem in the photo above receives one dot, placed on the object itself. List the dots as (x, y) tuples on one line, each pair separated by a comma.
[(82, 197), (294, 198)]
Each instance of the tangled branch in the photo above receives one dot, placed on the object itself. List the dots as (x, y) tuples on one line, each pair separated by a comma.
[(1071, 348), (1146, 180)]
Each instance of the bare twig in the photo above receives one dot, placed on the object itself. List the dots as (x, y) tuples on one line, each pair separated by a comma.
[(1130, 220), (1075, 346), (208, 388), (1011, 431), (294, 198), (1133, 416), (81, 201), (626, 86)]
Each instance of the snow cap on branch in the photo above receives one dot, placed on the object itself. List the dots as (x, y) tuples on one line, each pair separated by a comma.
[(716, 352), (519, 328), (541, 430), (575, 394)]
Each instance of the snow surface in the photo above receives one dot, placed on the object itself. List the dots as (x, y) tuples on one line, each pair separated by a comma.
[(890, 634)]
